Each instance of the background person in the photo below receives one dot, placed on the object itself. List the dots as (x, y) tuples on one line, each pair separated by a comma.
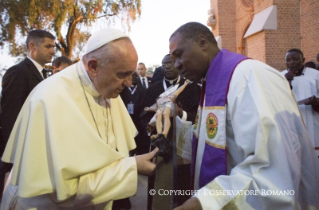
[(143, 79), (132, 97), (188, 102), (60, 63), (305, 83), (19, 81)]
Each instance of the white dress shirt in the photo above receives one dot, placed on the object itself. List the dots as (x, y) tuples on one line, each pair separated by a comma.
[(145, 79), (37, 65)]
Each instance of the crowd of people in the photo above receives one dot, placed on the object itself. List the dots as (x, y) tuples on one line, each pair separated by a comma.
[(253, 128)]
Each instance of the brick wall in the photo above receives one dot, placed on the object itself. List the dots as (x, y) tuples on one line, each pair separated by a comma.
[(260, 5), (226, 22), (287, 36), (298, 24), (310, 28), (256, 46)]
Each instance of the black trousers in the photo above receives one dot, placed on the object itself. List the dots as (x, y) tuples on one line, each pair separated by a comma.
[(4, 168)]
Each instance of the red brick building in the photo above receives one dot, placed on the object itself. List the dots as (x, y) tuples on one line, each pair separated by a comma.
[(266, 29)]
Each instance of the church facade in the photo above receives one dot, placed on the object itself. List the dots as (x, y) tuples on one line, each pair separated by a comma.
[(266, 29)]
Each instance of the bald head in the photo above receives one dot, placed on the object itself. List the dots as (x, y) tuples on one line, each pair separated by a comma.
[(193, 47)]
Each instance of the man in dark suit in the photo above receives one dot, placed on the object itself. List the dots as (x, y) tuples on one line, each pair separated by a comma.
[(132, 98), (18, 82), (158, 75), (187, 111), (143, 79)]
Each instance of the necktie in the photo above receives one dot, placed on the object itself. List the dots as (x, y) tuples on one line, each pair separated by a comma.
[(44, 73), (143, 82)]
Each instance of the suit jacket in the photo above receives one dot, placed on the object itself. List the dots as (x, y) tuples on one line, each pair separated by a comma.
[(149, 79), (136, 99), (158, 75), (189, 99), (17, 83)]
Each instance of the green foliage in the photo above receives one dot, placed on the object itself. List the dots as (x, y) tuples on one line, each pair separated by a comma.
[(18, 17)]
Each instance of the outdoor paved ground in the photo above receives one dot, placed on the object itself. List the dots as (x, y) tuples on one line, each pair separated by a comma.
[(139, 200)]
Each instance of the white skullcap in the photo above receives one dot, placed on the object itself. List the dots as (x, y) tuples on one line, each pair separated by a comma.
[(102, 37)]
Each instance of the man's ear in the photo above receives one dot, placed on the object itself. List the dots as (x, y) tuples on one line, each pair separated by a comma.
[(92, 67), (32, 46), (303, 60), (202, 41)]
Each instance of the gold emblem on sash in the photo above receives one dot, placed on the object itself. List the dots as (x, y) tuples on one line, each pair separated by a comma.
[(211, 125), (196, 120)]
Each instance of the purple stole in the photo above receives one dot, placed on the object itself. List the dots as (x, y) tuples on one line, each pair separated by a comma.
[(210, 122)]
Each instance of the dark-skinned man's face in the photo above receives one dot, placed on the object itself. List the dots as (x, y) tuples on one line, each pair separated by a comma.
[(294, 61), (168, 68), (188, 57), (134, 78)]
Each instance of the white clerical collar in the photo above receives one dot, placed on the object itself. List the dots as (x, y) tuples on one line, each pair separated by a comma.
[(37, 65), (164, 83), (87, 83), (171, 81)]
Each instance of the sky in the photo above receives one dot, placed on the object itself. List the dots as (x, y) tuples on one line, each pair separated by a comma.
[(150, 33)]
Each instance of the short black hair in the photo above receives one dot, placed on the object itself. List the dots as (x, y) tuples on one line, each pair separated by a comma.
[(38, 36), (59, 60), (296, 50), (192, 30), (141, 64)]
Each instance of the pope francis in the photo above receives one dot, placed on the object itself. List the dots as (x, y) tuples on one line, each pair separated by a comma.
[(71, 141)]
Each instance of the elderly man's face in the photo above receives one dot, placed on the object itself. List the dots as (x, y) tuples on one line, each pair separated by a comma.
[(188, 57), (141, 69), (112, 78)]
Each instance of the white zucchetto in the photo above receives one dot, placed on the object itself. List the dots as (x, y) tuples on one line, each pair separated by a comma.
[(102, 37)]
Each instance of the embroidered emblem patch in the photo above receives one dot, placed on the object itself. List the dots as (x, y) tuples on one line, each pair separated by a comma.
[(196, 120), (211, 125)]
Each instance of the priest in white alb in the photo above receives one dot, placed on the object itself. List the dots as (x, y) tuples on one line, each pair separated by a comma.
[(304, 82), (250, 148), (71, 141)]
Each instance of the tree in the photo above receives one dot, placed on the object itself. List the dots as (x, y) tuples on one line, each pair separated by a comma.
[(19, 17)]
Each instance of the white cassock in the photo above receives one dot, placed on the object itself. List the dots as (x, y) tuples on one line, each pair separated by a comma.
[(268, 147), (305, 86), (62, 155)]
